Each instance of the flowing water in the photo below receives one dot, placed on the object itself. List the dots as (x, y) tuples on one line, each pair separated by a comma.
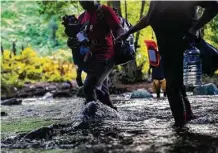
[(140, 125)]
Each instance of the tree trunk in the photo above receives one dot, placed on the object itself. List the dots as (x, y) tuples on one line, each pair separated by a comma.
[(132, 72), (141, 15), (2, 49), (14, 48), (126, 10)]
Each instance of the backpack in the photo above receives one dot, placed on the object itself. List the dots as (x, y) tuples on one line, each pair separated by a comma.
[(209, 57), (72, 27), (153, 53), (124, 51)]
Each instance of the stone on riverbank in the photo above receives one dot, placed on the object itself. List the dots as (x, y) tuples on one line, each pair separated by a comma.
[(140, 93), (98, 111), (12, 101), (206, 89)]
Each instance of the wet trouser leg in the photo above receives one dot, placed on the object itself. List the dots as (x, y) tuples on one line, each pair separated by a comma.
[(172, 69), (188, 109), (104, 95), (96, 86), (172, 54)]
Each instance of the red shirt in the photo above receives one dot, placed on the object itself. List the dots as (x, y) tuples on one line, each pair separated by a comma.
[(99, 32)]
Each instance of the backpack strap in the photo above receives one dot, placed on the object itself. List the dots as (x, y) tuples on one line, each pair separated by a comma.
[(100, 12)]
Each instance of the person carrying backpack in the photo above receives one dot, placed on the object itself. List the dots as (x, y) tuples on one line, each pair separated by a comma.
[(98, 27), (156, 65), (158, 79)]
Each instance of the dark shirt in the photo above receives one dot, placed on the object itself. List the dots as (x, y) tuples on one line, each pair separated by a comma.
[(175, 17)]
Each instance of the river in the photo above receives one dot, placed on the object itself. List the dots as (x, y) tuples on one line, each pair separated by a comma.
[(140, 125)]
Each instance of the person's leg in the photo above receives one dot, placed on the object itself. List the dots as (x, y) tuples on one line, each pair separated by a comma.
[(163, 87), (89, 88), (172, 71), (156, 87), (189, 113), (104, 95), (96, 86)]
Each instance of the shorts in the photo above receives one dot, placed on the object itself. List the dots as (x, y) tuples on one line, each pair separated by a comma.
[(159, 84)]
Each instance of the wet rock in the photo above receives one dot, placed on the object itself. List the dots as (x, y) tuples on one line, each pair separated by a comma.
[(98, 111), (4, 114), (65, 85), (12, 101), (48, 95), (140, 93), (127, 141), (206, 89), (29, 110), (41, 133), (64, 93)]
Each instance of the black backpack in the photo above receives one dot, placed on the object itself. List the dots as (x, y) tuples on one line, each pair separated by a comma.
[(209, 56), (124, 51)]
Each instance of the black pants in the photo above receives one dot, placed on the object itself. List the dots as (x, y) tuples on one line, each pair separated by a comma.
[(172, 49), (96, 83)]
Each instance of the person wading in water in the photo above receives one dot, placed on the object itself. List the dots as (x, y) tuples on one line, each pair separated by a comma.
[(171, 21)]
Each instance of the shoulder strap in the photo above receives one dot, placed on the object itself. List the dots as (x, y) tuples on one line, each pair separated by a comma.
[(100, 12)]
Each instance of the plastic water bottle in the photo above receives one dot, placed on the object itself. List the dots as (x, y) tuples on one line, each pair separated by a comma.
[(192, 67)]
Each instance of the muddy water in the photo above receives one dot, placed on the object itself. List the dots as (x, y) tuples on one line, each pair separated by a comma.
[(141, 125)]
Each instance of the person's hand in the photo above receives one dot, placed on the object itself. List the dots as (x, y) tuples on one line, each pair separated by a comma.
[(72, 43), (87, 56), (121, 37), (194, 32), (190, 38), (192, 35)]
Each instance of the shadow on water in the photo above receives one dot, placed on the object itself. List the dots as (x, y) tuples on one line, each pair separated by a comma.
[(194, 142)]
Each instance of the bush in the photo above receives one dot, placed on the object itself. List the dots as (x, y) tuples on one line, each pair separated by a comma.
[(28, 67)]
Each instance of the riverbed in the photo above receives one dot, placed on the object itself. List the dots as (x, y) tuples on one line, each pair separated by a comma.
[(142, 125)]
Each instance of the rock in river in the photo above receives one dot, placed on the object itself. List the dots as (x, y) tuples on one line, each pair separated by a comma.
[(98, 111), (141, 93), (206, 89), (12, 101)]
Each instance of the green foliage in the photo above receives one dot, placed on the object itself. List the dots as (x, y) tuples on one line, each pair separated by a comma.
[(211, 32), (133, 16), (28, 67), (27, 28), (24, 125), (36, 24)]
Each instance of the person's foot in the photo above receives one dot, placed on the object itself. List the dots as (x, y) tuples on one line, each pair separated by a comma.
[(158, 95), (114, 107), (178, 125), (109, 103), (191, 117)]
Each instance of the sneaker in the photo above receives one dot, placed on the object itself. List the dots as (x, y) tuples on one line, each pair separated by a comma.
[(178, 125), (114, 107)]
